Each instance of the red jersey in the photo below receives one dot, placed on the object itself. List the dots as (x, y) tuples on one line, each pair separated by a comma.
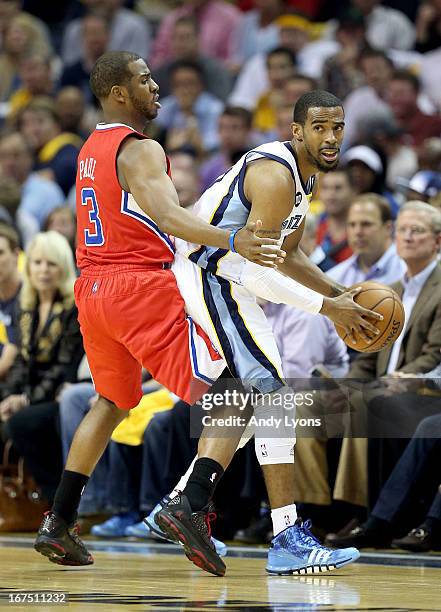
[(112, 228)]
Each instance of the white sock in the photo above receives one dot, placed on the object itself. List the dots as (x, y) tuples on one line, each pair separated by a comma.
[(283, 517), (183, 480)]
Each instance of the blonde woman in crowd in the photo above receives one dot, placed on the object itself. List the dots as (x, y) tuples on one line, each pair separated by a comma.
[(49, 351)]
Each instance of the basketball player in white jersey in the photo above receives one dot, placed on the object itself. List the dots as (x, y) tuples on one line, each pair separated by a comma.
[(275, 183)]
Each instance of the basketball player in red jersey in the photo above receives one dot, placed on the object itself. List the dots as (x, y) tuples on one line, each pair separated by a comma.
[(130, 310)]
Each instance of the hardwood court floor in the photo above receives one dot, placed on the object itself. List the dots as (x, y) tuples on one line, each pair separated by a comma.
[(157, 578)]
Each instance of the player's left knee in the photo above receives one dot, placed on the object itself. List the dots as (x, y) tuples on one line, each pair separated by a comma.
[(274, 415)]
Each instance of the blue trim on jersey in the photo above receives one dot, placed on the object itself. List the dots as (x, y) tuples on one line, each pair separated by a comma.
[(245, 201), (194, 257), (217, 218), (147, 221), (216, 320), (308, 187), (220, 211), (197, 373), (213, 260), (239, 324)]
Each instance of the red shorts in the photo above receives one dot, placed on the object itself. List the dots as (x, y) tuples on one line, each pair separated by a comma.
[(134, 317)]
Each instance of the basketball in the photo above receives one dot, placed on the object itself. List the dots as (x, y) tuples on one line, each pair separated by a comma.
[(386, 302)]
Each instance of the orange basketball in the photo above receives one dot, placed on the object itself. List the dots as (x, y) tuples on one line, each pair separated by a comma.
[(386, 302)]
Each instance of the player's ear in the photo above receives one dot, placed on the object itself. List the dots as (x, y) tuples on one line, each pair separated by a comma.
[(118, 93), (297, 131)]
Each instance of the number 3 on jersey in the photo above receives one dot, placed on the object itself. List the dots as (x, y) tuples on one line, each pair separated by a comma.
[(96, 236)]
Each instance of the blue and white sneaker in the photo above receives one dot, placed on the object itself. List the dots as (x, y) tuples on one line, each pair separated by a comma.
[(155, 530), (115, 526), (138, 530), (296, 551)]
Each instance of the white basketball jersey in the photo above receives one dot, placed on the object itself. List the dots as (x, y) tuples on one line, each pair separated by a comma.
[(225, 205)]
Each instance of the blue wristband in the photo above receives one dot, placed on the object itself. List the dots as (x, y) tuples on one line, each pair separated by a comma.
[(231, 240)]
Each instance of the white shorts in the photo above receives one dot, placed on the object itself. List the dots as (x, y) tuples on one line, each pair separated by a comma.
[(235, 323)]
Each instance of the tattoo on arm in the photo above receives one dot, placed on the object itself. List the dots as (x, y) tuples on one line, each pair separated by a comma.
[(269, 233)]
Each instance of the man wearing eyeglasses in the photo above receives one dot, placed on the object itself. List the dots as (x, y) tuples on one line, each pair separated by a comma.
[(418, 241)]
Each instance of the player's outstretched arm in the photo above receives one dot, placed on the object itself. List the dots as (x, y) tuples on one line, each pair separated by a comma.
[(141, 166)]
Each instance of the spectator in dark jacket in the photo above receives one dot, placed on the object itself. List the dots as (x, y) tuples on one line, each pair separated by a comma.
[(49, 351)]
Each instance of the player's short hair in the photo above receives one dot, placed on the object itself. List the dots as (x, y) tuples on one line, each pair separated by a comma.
[(381, 203), (112, 68), (317, 98), (238, 112), (10, 235)]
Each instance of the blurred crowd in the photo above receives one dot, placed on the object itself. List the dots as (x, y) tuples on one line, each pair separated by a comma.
[(230, 74)]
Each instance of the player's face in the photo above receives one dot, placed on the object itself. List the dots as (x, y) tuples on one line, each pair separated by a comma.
[(143, 91), (322, 136)]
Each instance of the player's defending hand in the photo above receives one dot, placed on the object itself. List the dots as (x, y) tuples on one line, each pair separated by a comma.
[(352, 317), (260, 250)]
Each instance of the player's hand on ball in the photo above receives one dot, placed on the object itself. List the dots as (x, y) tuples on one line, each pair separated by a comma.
[(258, 249), (354, 319)]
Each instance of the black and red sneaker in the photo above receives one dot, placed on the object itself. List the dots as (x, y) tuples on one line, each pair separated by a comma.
[(193, 531), (60, 543)]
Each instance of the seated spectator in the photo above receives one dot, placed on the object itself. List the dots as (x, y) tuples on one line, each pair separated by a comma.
[(368, 100), (336, 195), (295, 86), (21, 38), (190, 114), (283, 129), (341, 72), (413, 482), (63, 220), (366, 172), (428, 27), (94, 42), (128, 31), (72, 113), (10, 284), (49, 352), (415, 351), (185, 47), (217, 21), (186, 183), (295, 33), (36, 80), (369, 231), (281, 65), (425, 185), (257, 32), (384, 136), (13, 8), (10, 197), (386, 28), (418, 235), (402, 97), (56, 151), (234, 129), (38, 194)]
